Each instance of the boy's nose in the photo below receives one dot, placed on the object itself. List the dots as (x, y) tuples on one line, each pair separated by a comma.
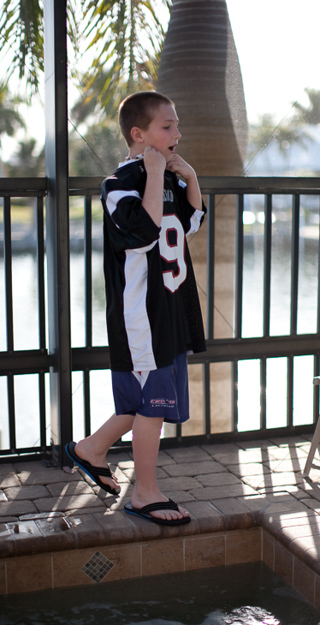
[(178, 134)]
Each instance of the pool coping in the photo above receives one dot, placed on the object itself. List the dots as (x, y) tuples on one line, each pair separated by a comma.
[(279, 525)]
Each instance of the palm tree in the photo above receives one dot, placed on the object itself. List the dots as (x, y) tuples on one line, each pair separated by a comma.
[(10, 119), (122, 38), (199, 70), (311, 114)]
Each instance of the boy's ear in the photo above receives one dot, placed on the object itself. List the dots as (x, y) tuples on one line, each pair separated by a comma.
[(136, 134)]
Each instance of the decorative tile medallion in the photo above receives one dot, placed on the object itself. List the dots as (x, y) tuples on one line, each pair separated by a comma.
[(97, 567)]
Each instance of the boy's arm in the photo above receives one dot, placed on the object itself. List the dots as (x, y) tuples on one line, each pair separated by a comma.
[(152, 201), (181, 167)]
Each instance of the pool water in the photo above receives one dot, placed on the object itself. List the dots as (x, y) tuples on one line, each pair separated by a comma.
[(247, 594)]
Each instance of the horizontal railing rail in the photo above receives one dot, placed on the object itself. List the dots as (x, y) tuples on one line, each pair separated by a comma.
[(233, 349)]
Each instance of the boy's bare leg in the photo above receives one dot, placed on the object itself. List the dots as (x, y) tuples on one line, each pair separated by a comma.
[(145, 443), (94, 448)]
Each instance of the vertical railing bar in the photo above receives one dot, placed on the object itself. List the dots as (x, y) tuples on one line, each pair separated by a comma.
[(239, 267), (42, 410), (210, 309), (88, 306), (206, 399), (8, 272), (234, 395), (263, 393), (267, 264), (9, 316), (318, 281), (86, 402), (210, 265), (88, 269), (40, 271), (294, 263), (11, 413), (315, 389), (41, 316), (290, 373)]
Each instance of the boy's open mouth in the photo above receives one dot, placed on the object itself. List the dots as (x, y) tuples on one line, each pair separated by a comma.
[(172, 148)]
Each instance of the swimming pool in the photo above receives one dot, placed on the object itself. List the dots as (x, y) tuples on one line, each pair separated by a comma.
[(244, 594)]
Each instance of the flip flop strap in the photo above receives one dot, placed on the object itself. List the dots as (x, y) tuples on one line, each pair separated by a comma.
[(161, 505), (104, 471)]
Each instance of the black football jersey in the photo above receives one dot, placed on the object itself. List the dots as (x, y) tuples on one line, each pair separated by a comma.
[(153, 310)]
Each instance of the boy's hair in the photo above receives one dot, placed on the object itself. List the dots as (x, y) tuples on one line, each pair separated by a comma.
[(138, 110)]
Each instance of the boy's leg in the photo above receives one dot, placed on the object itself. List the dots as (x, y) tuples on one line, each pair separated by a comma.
[(145, 443), (94, 448)]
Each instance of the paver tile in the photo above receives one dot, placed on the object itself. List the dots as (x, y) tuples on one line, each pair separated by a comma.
[(218, 479), (68, 489), (188, 454), (178, 483), (285, 466), (76, 502), (253, 468), (255, 503), (211, 493), (11, 479), (239, 457), (6, 468), (237, 515), (192, 469), (286, 452), (272, 480), (48, 476), (27, 492), (16, 508), (221, 449)]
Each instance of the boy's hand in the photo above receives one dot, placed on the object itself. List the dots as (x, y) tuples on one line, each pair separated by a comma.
[(181, 167), (154, 161)]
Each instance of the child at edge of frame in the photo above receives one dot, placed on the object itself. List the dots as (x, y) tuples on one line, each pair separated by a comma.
[(151, 204)]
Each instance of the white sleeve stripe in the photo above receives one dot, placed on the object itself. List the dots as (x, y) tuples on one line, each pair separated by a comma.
[(195, 221), (115, 196)]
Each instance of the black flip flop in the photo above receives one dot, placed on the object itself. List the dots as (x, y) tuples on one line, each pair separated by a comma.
[(90, 470), (144, 513)]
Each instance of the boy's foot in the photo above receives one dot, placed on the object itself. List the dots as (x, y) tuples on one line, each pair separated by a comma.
[(94, 465), (161, 512), (168, 513)]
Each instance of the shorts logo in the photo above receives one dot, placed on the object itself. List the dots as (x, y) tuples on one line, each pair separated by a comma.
[(162, 403)]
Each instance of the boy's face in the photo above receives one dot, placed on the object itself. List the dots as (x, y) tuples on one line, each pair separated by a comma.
[(162, 134)]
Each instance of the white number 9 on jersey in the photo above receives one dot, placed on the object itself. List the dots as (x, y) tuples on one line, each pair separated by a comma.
[(171, 245)]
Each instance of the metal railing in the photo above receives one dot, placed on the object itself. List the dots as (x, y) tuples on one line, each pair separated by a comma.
[(233, 349)]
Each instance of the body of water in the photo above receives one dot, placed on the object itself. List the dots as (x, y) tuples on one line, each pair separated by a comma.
[(248, 594)]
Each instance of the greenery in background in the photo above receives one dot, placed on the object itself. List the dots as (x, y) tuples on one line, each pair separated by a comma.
[(291, 131), (10, 118), (27, 161), (121, 38), (98, 152)]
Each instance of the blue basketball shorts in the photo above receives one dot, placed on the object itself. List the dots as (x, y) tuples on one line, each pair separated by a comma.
[(160, 393)]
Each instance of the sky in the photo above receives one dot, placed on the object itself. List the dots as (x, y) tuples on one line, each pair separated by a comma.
[(278, 45)]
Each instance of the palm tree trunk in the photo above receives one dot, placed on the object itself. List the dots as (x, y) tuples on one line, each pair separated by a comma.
[(199, 70)]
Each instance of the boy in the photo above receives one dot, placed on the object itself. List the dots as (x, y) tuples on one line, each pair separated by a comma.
[(153, 311)]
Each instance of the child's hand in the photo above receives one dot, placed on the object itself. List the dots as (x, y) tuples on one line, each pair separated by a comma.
[(154, 161), (181, 167)]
